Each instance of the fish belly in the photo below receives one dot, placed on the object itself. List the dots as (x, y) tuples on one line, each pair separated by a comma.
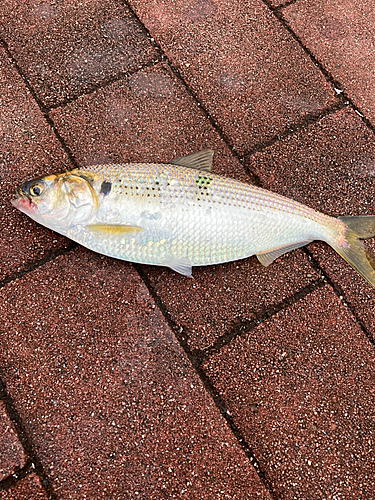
[(201, 234)]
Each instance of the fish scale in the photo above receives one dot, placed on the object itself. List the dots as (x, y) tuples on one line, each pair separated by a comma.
[(181, 215), (206, 218)]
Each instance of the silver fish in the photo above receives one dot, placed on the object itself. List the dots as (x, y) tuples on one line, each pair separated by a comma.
[(181, 215)]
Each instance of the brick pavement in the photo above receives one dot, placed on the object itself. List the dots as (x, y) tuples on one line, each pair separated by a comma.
[(122, 381)]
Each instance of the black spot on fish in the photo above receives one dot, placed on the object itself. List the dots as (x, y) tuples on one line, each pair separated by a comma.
[(203, 181), (105, 188)]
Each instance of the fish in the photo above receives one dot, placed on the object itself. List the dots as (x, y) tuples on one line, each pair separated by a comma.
[(180, 214)]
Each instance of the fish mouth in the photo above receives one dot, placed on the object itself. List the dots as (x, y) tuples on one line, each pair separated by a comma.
[(23, 203)]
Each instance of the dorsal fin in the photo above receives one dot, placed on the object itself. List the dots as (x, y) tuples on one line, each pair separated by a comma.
[(202, 160)]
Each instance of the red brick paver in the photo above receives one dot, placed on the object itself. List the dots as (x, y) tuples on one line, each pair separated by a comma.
[(147, 116), (27, 148), (277, 3), (334, 173), (301, 388), (12, 455), (66, 48), (222, 298), (341, 36), (358, 295), (249, 73)]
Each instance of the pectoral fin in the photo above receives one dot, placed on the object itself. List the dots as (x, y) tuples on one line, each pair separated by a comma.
[(268, 257), (113, 229)]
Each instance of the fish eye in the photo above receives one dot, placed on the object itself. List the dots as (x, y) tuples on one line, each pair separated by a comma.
[(36, 189)]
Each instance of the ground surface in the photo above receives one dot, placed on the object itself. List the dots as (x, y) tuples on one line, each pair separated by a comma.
[(127, 382)]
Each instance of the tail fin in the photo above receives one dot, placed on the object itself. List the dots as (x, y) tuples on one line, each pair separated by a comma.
[(355, 253), (363, 226)]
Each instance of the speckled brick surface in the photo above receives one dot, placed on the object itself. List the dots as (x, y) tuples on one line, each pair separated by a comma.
[(358, 294), (28, 488), (12, 455), (221, 298), (277, 3), (112, 405), (247, 71), (341, 37), (301, 388), (328, 165), (66, 48), (27, 149)]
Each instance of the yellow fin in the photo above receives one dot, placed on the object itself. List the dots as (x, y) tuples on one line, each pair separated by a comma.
[(113, 229), (356, 255), (363, 226)]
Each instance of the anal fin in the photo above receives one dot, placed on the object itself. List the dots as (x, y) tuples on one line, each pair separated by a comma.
[(268, 257), (181, 266)]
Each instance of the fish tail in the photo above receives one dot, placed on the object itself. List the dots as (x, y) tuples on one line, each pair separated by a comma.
[(353, 249)]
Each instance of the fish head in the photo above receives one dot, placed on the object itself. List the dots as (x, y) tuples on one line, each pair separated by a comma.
[(58, 200)]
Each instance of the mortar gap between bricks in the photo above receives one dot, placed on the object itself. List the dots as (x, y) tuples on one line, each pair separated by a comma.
[(33, 463), (32, 265), (361, 116), (308, 118), (61, 140), (327, 75), (242, 328), (195, 358), (103, 84), (177, 74), (206, 113), (339, 292), (45, 110), (29, 87), (308, 121), (42, 107), (18, 475), (235, 431)]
